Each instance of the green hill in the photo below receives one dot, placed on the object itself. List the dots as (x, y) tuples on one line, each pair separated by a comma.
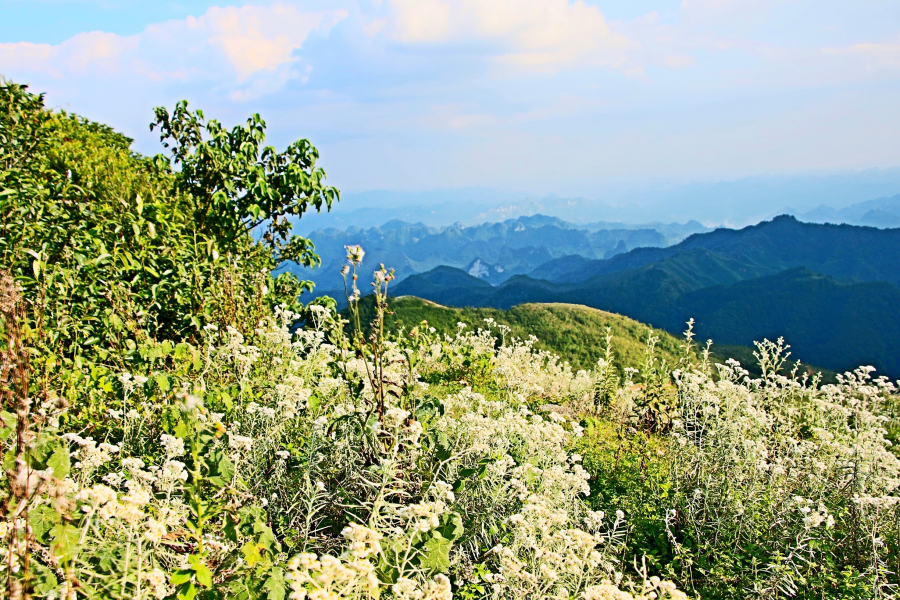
[(576, 333), (826, 321)]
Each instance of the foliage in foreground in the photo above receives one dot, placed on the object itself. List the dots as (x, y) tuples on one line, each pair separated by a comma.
[(294, 463), (430, 466), (112, 249)]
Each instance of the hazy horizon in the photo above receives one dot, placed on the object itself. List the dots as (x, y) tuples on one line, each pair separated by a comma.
[(734, 203)]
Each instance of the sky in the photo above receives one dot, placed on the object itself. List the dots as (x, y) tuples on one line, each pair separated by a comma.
[(532, 96)]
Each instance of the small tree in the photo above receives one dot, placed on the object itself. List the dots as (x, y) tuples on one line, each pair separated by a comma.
[(236, 185)]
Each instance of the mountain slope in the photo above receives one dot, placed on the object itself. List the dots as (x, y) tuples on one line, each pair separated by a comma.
[(842, 251), (838, 325), (834, 324), (575, 333), (452, 286)]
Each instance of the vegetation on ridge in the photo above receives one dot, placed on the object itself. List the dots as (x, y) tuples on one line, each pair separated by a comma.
[(575, 332)]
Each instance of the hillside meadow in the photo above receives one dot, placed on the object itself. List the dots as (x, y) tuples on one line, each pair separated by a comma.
[(177, 423), (577, 333)]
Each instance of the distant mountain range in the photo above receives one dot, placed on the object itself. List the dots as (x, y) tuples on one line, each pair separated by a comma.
[(882, 212), (493, 252), (833, 291)]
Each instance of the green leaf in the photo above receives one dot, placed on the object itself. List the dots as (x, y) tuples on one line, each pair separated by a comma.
[(202, 572), (162, 383), (189, 592), (59, 462), (65, 541), (7, 426), (266, 537), (275, 584), (226, 467), (44, 580), (182, 430), (230, 530), (181, 576), (251, 553), (436, 553), (204, 575), (451, 526), (42, 519)]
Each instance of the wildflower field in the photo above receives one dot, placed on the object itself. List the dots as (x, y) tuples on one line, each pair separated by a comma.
[(176, 423)]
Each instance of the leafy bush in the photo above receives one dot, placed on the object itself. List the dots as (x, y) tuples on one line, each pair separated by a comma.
[(113, 248)]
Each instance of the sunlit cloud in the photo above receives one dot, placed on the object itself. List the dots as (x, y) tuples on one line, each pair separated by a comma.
[(429, 93), (534, 34), (247, 50)]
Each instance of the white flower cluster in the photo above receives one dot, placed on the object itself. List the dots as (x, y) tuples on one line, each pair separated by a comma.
[(775, 450), (90, 455)]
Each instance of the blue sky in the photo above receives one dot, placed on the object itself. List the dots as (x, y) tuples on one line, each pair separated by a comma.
[(540, 96)]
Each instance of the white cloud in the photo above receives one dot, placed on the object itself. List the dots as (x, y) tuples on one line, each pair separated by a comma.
[(250, 49), (536, 34)]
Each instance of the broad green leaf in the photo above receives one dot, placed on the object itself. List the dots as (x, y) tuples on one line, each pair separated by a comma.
[(265, 537), (275, 584), (7, 425), (230, 530), (43, 519), (451, 526), (190, 590), (181, 576), (65, 541), (204, 575), (251, 553), (163, 383), (43, 579), (436, 553), (59, 462)]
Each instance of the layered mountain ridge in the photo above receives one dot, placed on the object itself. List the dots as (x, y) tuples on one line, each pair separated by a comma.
[(833, 291), (491, 251)]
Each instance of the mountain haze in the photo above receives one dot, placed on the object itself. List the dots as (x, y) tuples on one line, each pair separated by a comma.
[(880, 212), (491, 251)]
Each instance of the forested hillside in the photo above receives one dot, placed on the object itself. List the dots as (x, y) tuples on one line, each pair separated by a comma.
[(843, 251)]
